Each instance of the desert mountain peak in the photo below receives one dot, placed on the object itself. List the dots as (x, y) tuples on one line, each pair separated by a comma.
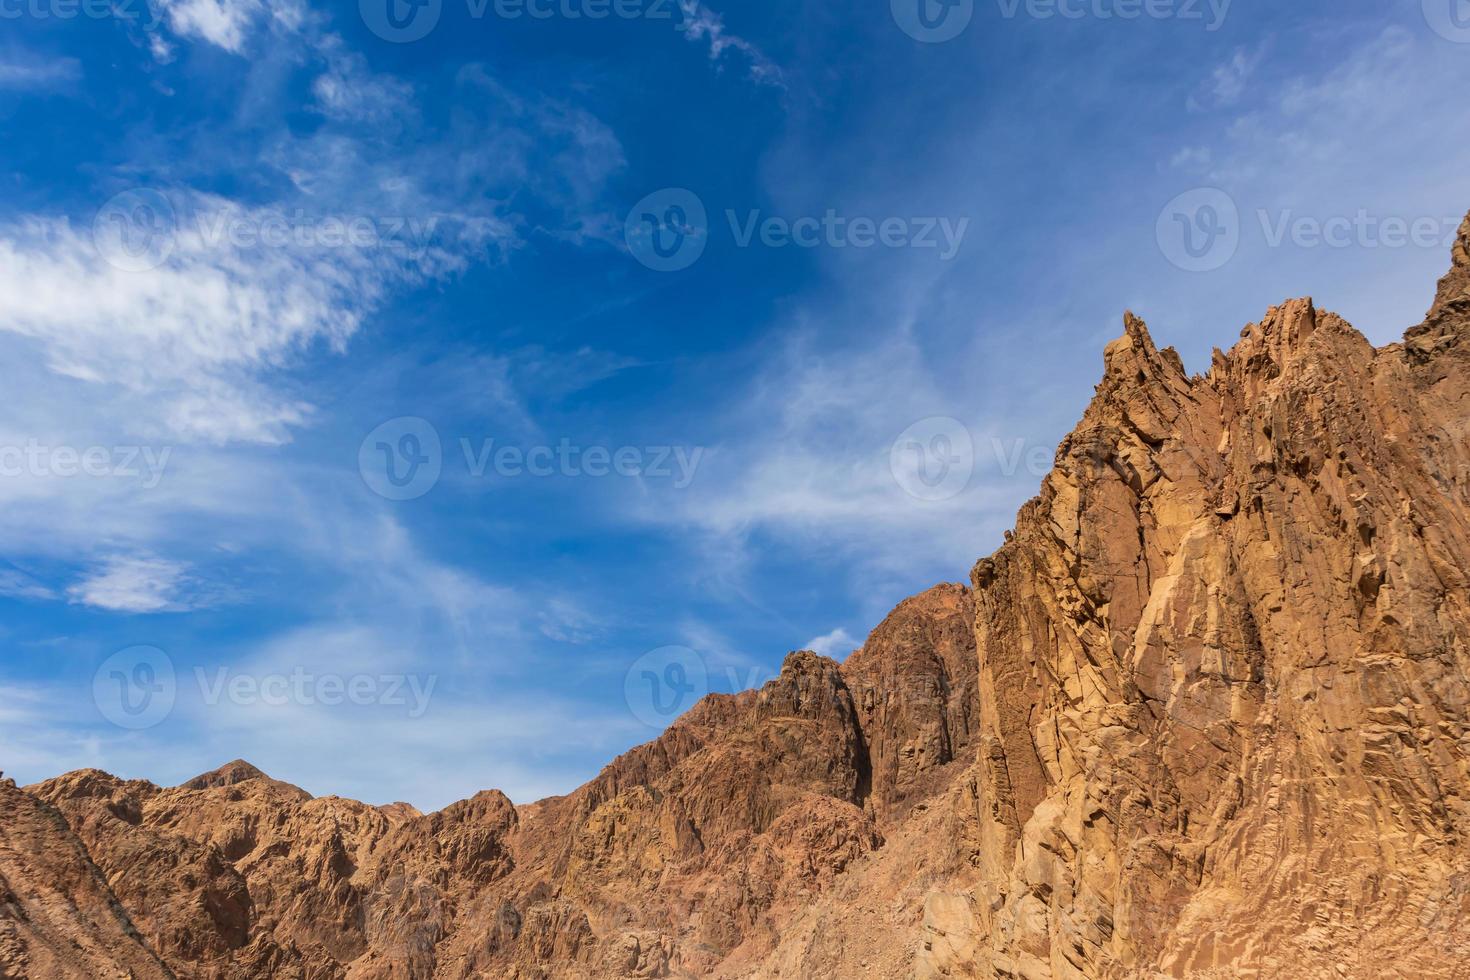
[(228, 774)]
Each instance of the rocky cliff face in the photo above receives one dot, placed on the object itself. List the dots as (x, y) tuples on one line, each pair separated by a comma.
[(1203, 715)]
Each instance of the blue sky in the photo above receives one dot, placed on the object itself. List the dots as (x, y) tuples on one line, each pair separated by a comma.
[(258, 259)]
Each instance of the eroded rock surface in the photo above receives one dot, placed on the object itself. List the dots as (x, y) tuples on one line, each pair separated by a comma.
[(1203, 715)]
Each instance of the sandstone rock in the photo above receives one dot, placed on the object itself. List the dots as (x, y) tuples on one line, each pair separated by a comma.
[(58, 917)]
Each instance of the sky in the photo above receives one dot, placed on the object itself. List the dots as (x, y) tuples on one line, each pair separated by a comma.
[(414, 397)]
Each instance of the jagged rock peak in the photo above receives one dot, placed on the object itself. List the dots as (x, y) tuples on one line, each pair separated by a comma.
[(400, 812), (1452, 300), (229, 774), (1134, 359)]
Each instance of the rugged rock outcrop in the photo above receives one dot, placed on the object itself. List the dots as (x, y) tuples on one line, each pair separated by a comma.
[(1224, 666), (1205, 714), (58, 917)]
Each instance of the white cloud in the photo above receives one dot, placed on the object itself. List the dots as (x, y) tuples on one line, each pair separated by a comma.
[(348, 90), (158, 46), (134, 585), (836, 644), (700, 23), (565, 621), (228, 24), (224, 23), (808, 456), (222, 307), (1192, 159), (1227, 83), (189, 344), (18, 585), (18, 71)]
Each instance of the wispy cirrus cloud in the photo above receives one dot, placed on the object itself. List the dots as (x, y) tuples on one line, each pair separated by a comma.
[(700, 23), (1227, 83), (347, 89), (187, 298), (19, 585), (136, 585), (25, 72)]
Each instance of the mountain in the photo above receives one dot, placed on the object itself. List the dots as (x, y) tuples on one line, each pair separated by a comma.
[(1205, 714)]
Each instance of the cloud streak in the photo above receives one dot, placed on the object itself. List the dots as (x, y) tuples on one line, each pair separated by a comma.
[(134, 585), (701, 24), (175, 305)]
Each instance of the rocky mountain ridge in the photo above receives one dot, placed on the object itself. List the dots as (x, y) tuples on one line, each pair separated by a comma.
[(1205, 714)]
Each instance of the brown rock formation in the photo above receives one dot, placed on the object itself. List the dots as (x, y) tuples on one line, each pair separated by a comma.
[(58, 917), (1203, 715)]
